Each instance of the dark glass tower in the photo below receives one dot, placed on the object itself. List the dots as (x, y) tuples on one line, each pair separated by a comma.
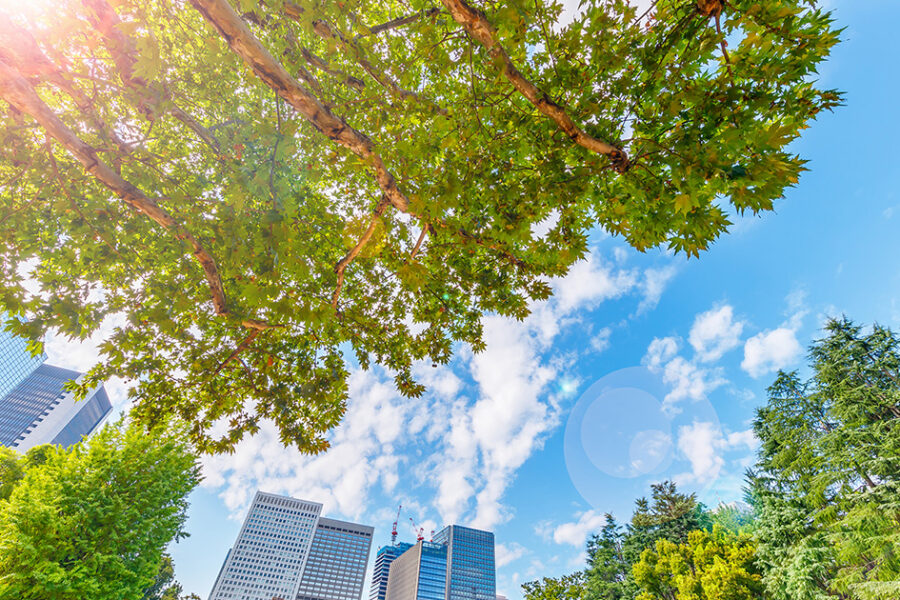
[(471, 574)]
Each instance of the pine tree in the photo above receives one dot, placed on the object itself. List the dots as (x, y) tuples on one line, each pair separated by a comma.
[(827, 484)]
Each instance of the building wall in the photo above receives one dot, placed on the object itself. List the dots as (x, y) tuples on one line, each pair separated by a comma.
[(271, 550), (471, 572), (16, 362), (419, 573), (432, 572), (336, 567), (403, 578), (41, 411), (386, 555)]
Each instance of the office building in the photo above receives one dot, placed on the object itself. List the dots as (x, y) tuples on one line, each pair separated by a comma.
[(35, 407), (336, 567), (465, 559), (16, 362), (420, 573), (471, 574), (383, 560), (286, 550)]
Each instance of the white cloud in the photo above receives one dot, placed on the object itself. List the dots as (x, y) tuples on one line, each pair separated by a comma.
[(589, 282), (652, 285), (714, 333), (600, 341), (660, 351), (770, 350), (573, 533), (703, 444), (507, 553), (686, 380)]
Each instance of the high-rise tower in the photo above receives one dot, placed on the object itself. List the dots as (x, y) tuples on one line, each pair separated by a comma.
[(35, 406), (286, 550)]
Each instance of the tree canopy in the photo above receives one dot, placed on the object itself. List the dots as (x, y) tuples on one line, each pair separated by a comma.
[(92, 521), (828, 476), (259, 189)]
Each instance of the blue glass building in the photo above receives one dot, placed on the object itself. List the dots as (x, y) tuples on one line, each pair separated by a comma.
[(471, 573), (458, 564), (420, 573), (35, 407), (383, 559), (16, 362)]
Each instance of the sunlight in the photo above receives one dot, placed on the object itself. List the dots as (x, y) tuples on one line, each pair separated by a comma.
[(27, 8)]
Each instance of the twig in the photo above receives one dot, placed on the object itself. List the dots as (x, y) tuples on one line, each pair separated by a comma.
[(354, 252)]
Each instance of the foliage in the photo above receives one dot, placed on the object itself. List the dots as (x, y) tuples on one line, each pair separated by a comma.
[(827, 484), (735, 517), (707, 566), (248, 195), (668, 515), (567, 587), (92, 521), (10, 471)]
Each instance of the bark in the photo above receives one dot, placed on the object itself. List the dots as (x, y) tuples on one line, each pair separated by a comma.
[(15, 90), (401, 21), (122, 50), (477, 26), (354, 252), (226, 21)]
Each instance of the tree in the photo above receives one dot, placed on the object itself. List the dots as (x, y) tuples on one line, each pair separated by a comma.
[(93, 520), (567, 587), (253, 189), (668, 515), (827, 483), (10, 471), (707, 566)]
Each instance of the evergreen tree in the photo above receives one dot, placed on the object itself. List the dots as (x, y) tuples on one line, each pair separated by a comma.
[(827, 485), (668, 515)]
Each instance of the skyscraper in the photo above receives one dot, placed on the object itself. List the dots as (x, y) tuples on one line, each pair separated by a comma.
[(285, 550), (35, 407), (420, 573), (458, 564), (471, 574), (16, 362), (41, 411), (336, 567), (383, 560)]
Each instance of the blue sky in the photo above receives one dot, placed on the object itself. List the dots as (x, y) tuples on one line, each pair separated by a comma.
[(520, 440)]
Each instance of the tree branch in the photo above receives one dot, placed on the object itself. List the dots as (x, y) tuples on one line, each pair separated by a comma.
[(480, 29), (401, 21), (354, 252), (245, 343), (15, 90), (226, 21), (122, 50), (326, 31)]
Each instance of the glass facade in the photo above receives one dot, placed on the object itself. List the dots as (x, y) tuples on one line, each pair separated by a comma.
[(471, 573), (386, 555), (336, 567), (32, 401), (91, 411), (16, 362), (432, 572)]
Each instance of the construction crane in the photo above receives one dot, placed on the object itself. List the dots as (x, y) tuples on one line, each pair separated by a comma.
[(419, 531), (394, 528)]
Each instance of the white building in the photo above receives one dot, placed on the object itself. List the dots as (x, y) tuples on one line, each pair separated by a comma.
[(286, 550)]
